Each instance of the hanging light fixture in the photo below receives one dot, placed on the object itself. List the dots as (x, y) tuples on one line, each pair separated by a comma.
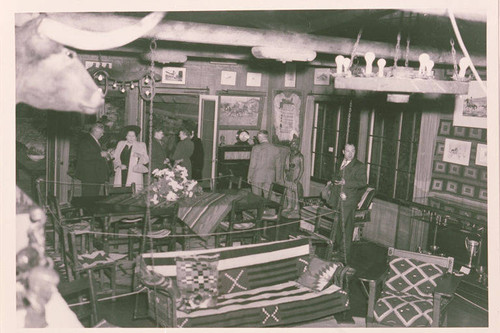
[(283, 54)]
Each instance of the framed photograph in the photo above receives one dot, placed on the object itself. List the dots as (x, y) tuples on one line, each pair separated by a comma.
[(254, 79), (228, 78), (456, 151), (287, 115), (471, 109), (481, 154), (290, 75), (237, 112), (173, 75), (322, 76)]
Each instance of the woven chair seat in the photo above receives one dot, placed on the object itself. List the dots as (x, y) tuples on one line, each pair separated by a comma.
[(78, 228), (238, 226), (156, 234), (131, 219), (96, 258)]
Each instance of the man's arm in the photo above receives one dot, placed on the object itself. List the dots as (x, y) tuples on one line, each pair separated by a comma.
[(253, 164), (358, 179)]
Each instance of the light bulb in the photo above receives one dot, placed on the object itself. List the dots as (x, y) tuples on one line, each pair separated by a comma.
[(428, 67), (114, 85), (100, 77), (464, 63), (381, 64), (146, 81), (122, 89), (147, 92), (369, 57), (347, 63), (423, 59), (132, 86), (339, 60)]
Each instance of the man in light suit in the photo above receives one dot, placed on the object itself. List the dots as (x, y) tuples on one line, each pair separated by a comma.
[(263, 164), (91, 165), (349, 184)]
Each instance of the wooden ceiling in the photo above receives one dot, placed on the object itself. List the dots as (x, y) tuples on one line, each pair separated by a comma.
[(424, 31)]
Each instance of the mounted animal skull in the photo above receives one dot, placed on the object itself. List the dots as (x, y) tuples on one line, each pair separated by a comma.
[(50, 76)]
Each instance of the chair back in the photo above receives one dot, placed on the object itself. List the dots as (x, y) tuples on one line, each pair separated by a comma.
[(77, 287), (277, 193), (445, 262), (54, 208), (366, 199), (110, 189), (234, 182)]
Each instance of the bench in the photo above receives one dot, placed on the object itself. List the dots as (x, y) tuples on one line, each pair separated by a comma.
[(256, 287)]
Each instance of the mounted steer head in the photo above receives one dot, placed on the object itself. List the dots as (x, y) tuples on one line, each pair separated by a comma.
[(50, 76)]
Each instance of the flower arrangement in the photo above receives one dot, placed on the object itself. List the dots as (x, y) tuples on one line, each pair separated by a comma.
[(172, 184)]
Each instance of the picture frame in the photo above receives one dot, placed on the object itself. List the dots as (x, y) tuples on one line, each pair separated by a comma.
[(254, 79), (457, 151), (228, 78), (173, 75), (240, 111), (471, 109), (290, 75), (322, 76), (287, 115), (481, 154)]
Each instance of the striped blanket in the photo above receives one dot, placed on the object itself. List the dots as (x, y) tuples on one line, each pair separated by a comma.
[(256, 285)]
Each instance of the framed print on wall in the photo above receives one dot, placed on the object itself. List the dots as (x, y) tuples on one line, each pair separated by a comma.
[(481, 154), (173, 75), (456, 151), (254, 79), (471, 109), (237, 112), (228, 78), (290, 75), (287, 116), (322, 76)]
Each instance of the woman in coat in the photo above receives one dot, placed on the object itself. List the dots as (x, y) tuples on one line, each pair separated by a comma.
[(128, 154)]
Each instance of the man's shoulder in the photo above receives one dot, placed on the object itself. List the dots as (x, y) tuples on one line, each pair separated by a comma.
[(358, 163)]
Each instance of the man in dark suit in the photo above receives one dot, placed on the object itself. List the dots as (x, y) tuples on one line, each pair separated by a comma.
[(263, 164), (349, 183), (158, 150), (91, 164)]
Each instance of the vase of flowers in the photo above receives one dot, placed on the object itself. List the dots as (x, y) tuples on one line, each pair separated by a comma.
[(172, 184)]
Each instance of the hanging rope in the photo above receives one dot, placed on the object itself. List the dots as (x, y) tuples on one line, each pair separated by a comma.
[(407, 54), (355, 47), (454, 58), (398, 50), (348, 121)]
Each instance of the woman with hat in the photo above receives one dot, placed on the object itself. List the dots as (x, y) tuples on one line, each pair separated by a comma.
[(130, 158)]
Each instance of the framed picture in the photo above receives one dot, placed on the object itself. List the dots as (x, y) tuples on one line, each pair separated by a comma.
[(290, 75), (287, 116), (456, 151), (481, 154), (228, 78), (237, 112), (173, 75), (254, 79), (322, 76), (471, 109)]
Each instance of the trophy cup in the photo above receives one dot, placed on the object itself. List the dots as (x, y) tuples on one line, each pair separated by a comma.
[(472, 247)]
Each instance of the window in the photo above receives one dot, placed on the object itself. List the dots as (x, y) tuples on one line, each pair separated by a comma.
[(393, 145), (329, 136)]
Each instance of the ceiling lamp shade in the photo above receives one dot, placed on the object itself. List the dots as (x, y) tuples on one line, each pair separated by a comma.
[(283, 54), (166, 56)]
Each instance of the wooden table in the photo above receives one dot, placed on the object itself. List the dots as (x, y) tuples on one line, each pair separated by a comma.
[(201, 214)]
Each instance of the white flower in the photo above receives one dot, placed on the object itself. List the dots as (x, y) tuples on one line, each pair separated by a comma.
[(190, 185), (171, 196)]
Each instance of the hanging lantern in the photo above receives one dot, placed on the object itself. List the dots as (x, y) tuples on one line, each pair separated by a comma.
[(132, 86), (115, 85)]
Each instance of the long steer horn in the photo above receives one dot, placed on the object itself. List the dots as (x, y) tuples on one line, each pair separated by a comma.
[(91, 40)]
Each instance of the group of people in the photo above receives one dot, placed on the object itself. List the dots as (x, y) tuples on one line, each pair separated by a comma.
[(346, 188), (130, 159)]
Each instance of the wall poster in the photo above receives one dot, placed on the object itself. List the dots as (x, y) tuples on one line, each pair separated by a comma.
[(237, 112), (287, 117), (470, 109)]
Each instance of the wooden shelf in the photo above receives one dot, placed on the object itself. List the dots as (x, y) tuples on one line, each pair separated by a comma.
[(402, 85)]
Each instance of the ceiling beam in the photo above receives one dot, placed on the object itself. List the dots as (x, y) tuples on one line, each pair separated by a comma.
[(198, 33)]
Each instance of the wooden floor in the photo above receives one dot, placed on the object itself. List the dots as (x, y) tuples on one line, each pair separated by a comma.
[(367, 258)]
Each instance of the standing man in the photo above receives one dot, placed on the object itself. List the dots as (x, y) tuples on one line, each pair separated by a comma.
[(184, 150), (263, 160), (158, 150), (197, 157), (349, 183), (91, 164)]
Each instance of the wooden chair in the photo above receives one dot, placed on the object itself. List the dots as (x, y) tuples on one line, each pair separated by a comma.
[(234, 182), (275, 201), (244, 222), (413, 291), (69, 218), (126, 222), (89, 260), (362, 214), (163, 230), (74, 291)]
